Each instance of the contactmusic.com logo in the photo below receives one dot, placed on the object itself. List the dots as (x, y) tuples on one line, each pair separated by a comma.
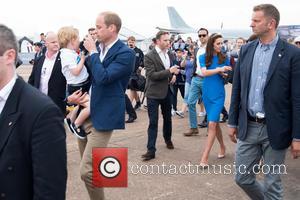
[(110, 167)]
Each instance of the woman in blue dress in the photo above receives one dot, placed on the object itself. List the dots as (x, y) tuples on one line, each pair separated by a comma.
[(214, 66)]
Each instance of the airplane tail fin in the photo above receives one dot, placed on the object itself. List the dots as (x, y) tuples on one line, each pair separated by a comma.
[(176, 20)]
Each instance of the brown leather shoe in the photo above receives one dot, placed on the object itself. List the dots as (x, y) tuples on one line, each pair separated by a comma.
[(148, 156), (191, 132), (170, 145)]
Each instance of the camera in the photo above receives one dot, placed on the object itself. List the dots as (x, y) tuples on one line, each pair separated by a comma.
[(82, 48), (19, 62)]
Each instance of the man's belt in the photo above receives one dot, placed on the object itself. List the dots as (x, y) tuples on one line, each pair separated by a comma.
[(257, 120)]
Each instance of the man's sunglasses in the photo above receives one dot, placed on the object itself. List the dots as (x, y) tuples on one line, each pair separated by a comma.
[(298, 43), (202, 35)]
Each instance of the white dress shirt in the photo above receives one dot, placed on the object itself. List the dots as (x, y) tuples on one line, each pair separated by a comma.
[(200, 52), (5, 92), (46, 72), (164, 57), (104, 50)]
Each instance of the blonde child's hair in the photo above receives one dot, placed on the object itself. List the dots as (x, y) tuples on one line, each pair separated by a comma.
[(66, 34)]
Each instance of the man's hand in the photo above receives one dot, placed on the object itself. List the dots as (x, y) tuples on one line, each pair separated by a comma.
[(78, 98), (232, 134), (174, 69), (184, 55), (295, 149), (89, 43), (173, 80)]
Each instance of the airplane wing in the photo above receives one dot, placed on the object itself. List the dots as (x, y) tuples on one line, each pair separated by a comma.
[(174, 31)]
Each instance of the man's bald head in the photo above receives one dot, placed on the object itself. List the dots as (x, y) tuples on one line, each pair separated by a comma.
[(50, 35), (52, 42)]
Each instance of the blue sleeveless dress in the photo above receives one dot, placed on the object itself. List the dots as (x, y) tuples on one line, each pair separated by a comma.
[(213, 90)]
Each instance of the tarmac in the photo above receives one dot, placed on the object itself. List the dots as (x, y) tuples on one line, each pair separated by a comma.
[(209, 184)]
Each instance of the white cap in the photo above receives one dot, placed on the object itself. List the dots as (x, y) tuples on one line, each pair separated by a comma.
[(297, 39)]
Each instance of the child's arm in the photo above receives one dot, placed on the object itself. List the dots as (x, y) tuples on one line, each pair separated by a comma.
[(76, 71)]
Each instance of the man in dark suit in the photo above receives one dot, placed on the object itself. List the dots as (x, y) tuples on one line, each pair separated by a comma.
[(159, 74), (38, 52), (32, 135), (110, 70), (46, 73), (265, 105)]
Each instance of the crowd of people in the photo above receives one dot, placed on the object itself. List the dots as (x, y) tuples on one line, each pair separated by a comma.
[(264, 72)]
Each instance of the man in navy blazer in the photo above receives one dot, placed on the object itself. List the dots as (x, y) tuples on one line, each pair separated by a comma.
[(33, 163), (265, 105), (110, 70)]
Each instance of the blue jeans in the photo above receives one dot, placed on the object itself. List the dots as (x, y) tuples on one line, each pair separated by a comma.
[(194, 95), (248, 154), (186, 92)]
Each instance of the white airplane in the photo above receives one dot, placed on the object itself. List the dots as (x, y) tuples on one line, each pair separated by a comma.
[(178, 25)]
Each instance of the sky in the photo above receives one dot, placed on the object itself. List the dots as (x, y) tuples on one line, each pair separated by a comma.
[(31, 17)]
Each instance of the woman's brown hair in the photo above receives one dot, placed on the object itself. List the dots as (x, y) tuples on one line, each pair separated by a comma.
[(210, 50)]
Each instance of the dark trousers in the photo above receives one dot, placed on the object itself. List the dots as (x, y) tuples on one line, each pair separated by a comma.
[(153, 105), (129, 109), (174, 94)]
